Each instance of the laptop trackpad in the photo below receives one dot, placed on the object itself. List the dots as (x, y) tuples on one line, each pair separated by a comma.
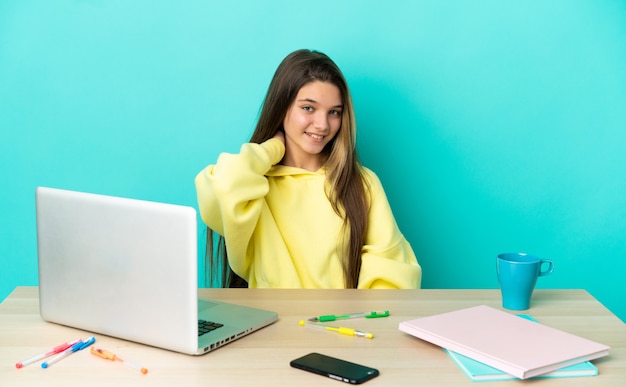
[(204, 305)]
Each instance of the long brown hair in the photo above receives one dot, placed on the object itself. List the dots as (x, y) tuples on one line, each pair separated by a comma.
[(345, 183)]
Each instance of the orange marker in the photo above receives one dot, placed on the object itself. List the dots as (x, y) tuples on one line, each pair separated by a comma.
[(103, 353)]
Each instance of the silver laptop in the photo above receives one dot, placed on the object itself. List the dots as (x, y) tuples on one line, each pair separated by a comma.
[(129, 269)]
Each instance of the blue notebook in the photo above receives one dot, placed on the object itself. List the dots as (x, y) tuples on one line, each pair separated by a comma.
[(478, 371)]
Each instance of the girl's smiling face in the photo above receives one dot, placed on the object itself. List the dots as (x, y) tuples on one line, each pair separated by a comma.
[(312, 121)]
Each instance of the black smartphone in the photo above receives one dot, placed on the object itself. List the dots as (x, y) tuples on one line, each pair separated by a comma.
[(334, 368)]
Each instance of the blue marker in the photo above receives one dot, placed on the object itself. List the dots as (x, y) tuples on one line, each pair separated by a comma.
[(74, 348)]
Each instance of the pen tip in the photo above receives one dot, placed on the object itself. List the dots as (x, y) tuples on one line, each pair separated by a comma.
[(19, 365), (144, 371), (301, 322)]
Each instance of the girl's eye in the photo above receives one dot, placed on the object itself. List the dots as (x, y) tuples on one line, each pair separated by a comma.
[(335, 112), (308, 108)]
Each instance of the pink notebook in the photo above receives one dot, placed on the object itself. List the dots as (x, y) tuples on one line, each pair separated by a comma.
[(517, 346)]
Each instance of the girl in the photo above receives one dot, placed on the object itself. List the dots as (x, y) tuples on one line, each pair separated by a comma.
[(295, 208)]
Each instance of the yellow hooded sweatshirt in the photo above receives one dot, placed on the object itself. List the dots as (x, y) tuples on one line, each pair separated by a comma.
[(281, 231)]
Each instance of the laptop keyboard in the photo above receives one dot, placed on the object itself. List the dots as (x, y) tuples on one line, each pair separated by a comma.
[(207, 326)]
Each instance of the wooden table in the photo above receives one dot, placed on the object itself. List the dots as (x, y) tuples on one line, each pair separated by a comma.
[(263, 357)]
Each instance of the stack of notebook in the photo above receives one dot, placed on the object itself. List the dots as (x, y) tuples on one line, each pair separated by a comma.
[(513, 346)]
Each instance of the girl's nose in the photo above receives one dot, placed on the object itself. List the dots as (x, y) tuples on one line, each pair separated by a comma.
[(321, 121)]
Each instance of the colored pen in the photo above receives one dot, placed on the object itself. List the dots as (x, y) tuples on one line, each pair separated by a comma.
[(74, 348), (53, 351), (103, 353), (333, 317), (342, 330)]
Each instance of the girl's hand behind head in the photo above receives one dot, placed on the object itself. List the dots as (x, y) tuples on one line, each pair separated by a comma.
[(280, 135)]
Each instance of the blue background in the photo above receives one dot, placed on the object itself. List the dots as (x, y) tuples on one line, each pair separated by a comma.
[(495, 126)]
